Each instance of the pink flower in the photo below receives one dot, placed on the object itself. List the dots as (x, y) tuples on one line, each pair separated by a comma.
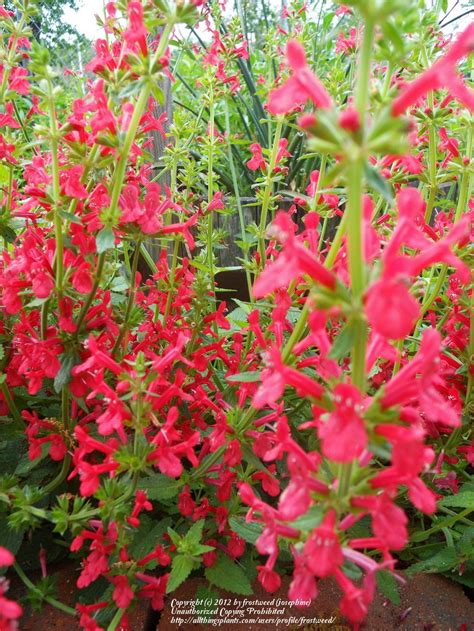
[(303, 587), (136, 31), (343, 435), (442, 74), (81, 279), (217, 202), (322, 549), (6, 557), (123, 593), (391, 310), (388, 520), (257, 161), (71, 183), (300, 87), (294, 261), (268, 579), (417, 381)]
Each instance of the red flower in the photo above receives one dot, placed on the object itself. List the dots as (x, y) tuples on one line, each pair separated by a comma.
[(257, 161), (294, 261), (300, 87), (343, 435), (71, 183), (123, 593), (268, 579), (136, 31), (442, 74), (6, 557), (391, 310), (81, 279), (388, 520), (322, 549), (303, 587)]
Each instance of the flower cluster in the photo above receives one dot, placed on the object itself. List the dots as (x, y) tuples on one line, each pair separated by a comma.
[(174, 433)]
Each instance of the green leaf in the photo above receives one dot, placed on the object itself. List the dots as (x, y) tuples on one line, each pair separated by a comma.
[(194, 534), (205, 594), (160, 487), (310, 520), (388, 586), (248, 531), (228, 575), (343, 343), (245, 377), (461, 500), (7, 233), (69, 217), (444, 560), (4, 174), (391, 32), (68, 361), (157, 93), (377, 182), (105, 240), (148, 536), (10, 539), (181, 567), (175, 538), (465, 545), (25, 465)]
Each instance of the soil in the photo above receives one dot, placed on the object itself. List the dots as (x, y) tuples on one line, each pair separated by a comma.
[(428, 603)]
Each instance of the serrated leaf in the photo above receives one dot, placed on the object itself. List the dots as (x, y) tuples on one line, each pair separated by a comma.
[(248, 531), (181, 567), (148, 536), (388, 586), (465, 499), (245, 377), (160, 487), (310, 520), (391, 32), (69, 217), (4, 174), (157, 93), (205, 594), (352, 570), (25, 465), (175, 538), (343, 343), (194, 534), (377, 182), (68, 361), (105, 240), (7, 233), (440, 562), (199, 549), (227, 575)]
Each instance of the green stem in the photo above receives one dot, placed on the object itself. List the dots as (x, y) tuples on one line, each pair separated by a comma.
[(432, 150), (7, 66), (268, 192), (65, 466), (91, 296), (235, 183), (11, 404), (355, 239), (210, 194), (140, 106), (51, 601), (131, 299), (58, 224), (116, 620)]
